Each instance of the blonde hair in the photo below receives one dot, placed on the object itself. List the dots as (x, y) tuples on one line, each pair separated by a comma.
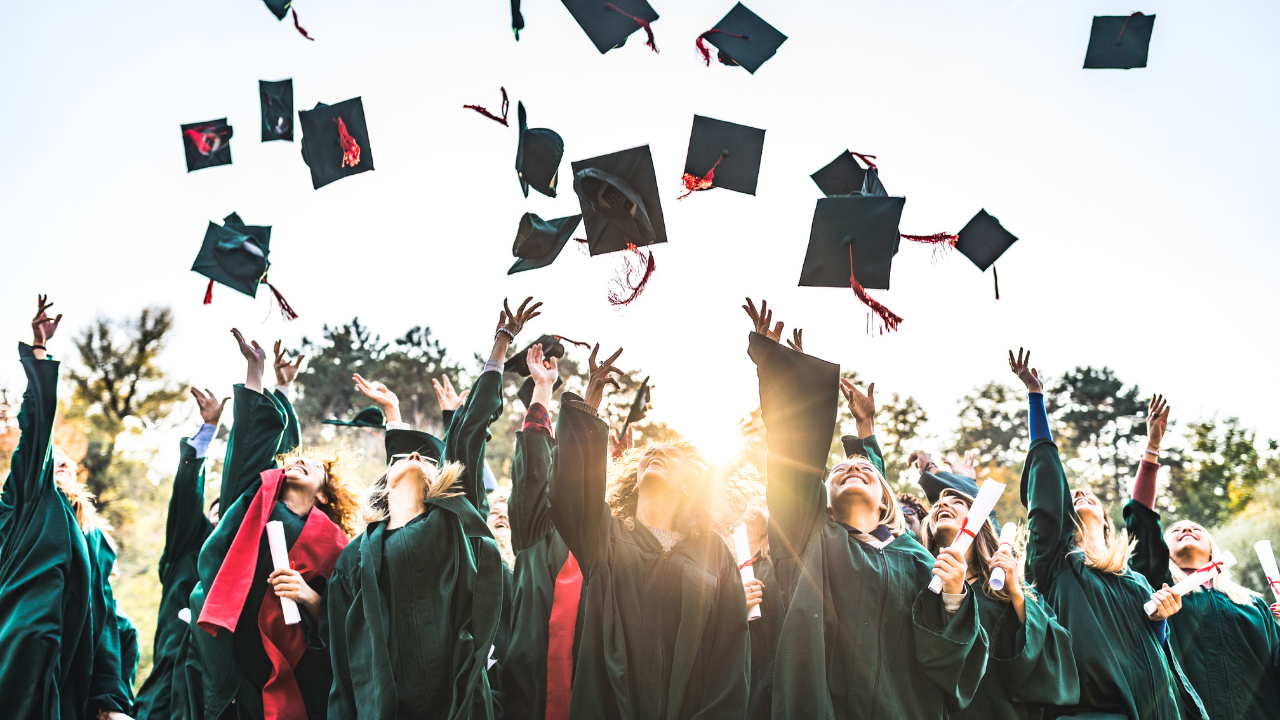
[(343, 505), (985, 545), (1116, 550), (1235, 592), (440, 483), (714, 502), (890, 512), (81, 501)]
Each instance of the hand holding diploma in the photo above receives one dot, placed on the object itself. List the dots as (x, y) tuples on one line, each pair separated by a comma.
[(1007, 535), (288, 583), (1160, 602), (755, 588), (988, 495), (1267, 558)]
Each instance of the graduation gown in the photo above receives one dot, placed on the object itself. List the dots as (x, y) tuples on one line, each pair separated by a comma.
[(863, 637), (764, 639), (1123, 666), (128, 653), (537, 672), (665, 634), (46, 629), (413, 612), (186, 528), (1227, 651), (108, 688)]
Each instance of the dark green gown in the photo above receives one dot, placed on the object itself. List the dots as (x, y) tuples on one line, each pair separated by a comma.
[(1228, 651), (128, 653), (863, 637), (1123, 667), (414, 611), (764, 640), (108, 689), (186, 528), (665, 634), (46, 629)]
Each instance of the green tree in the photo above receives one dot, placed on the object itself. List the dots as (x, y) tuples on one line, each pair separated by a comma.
[(993, 420), (898, 424), (1102, 428), (1217, 476), (325, 390)]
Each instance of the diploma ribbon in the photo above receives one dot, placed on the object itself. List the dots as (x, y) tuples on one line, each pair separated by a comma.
[(1214, 566), (1274, 583), (752, 561), (964, 529)]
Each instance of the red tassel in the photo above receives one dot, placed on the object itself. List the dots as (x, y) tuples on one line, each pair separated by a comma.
[(299, 27), (706, 51), (285, 310), (624, 279), (1125, 25), (693, 183), (890, 320), (648, 30), (996, 276), (483, 111), (206, 139), (208, 294), (350, 148), (941, 242), (865, 158), (572, 342)]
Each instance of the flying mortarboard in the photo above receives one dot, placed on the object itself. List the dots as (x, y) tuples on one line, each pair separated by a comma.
[(403, 442), (370, 417), (538, 157), (742, 38), (844, 176), (621, 211), (724, 155), (238, 256), (609, 24), (1119, 41), (517, 20), (276, 99), (335, 141), (552, 347), (638, 406), (851, 244), (207, 144), (539, 242), (983, 240), (280, 8)]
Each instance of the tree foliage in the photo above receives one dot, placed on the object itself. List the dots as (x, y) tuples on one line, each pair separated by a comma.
[(1218, 474), (1103, 426)]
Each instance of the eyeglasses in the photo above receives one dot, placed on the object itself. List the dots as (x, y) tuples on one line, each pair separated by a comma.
[(906, 510), (309, 462), (405, 456)]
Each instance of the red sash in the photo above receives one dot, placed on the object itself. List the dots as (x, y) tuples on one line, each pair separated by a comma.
[(560, 633)]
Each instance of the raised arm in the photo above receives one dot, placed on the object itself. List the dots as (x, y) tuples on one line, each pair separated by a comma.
[(1151, 556), (286, 372), (530, 504), (30, 469), (798, 399), (863, 408), (580, 465), (186, 525), (1044, 490), (259, 423)]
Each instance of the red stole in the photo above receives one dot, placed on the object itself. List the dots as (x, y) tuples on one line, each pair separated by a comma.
[(560, 633), (314, 553)]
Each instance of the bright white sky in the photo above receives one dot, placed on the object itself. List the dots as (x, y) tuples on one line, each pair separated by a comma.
[(1144, 199)]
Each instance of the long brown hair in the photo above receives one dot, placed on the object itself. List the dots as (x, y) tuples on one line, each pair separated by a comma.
[(1113, 557), (343, 505), (80, 500), (624, 488), (985, 545)]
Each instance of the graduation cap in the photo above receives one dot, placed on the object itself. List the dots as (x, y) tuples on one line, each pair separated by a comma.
[(638, 406), (742, 38), (1119, 41), (851, 244), (983, 240), (609, 24), (207, 144), (552, 347), (538, 157), (238, 256), (335, 141), (517, 20), (403, 442), (844, 176), (722, 154), (370, 417), (279, 8), (539, 242), (277, 109), (621, 211)]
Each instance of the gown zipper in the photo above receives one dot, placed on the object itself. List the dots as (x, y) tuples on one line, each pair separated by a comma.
[(884, 596)]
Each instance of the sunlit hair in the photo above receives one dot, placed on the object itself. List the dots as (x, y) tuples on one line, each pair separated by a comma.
[(985, 545), (699, 515), (80, 500), (436, 483), (1113, 557), (742, 501), (501, 494), (342, 505), (890, 514), (1234, 591)]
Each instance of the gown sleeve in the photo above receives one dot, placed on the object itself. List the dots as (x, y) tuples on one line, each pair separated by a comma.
[(1033, 660), (186, 526), (530, 505), (868, 446), (256, 433), (468, 435), (1151, 556), (951, 652), (798, 401), (1050, 512), (578, 479), (291, 438), (727, 683), (107, 689), (337, 606), (30, 473)]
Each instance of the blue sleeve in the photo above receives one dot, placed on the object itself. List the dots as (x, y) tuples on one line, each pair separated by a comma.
[(200, 441), (1039, 418), (1162, 629)]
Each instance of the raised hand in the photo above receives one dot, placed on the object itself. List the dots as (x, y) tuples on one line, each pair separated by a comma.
[(210, 407), (380, 395), (448, 398), (921, 460), (599, 376), (1027, 374), (762, 319), (513, 322), (621, 441), (285, 371), (1157, 421), (42, 327), (1168, 603), (255, 357), (796, 342), (544, 371), (862, 407), (964, 465), (1005, 560)]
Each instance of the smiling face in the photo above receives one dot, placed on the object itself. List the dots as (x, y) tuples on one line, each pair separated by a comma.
[(1088, 506), (64, 468), (947, 517), (307, 475), (854, 480), (499, 522), (411, 468), (1189, 544), (662, 465)]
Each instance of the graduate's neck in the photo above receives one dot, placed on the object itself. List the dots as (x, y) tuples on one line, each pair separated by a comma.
[(659, 507), (1190, 556), (861, 515), (404, 501), (298, 500)]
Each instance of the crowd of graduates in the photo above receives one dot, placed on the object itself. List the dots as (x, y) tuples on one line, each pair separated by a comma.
[(607, 583)]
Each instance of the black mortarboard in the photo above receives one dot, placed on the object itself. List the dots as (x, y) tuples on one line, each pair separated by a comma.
[(517, 20), (552, 347), (525, 393), (1119, 41), (403, 442), (638, 406), (233, 258), (723, 155), (609, 24), (207, 144), (278, 7), (335, 141), (743, 39), (983, 240), (370, 417), (844, 176), (539, 242), (261, 234), (277, 109), (620, 202), (538, 157), (856, 230)]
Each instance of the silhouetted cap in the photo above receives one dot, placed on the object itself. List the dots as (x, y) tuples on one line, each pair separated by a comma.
[(723, 155), (335, 141), (279, 8), (856, 232), (538, 157), (207, 144), (403, 442), (610, 23), (277, 109), (983, 240), (235, 255), (743, 39), (1119, 41), (370, 417), (844, 176), (640, 405), (539, 242), (619, 198), (552, 347)]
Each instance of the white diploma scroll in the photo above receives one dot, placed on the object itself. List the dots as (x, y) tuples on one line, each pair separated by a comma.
[(742, 548), (1268, 560), (1196, 579), (280, 559), (185, 615), (1007, 535), (988, 495)]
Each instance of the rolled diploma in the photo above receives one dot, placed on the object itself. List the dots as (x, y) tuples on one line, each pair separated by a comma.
[(988, 495), (1007, 535), (1268, 560), (280, 559), (742, 547), (1193, 581)]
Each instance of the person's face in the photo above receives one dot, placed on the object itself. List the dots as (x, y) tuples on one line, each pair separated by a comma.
[(947, 517), (499, 522), (307, 475), (662, 464), (912, 517), (213, 512), (1088, 506), (410, 467), (64, 468), (854, 480), (1188, 538)]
